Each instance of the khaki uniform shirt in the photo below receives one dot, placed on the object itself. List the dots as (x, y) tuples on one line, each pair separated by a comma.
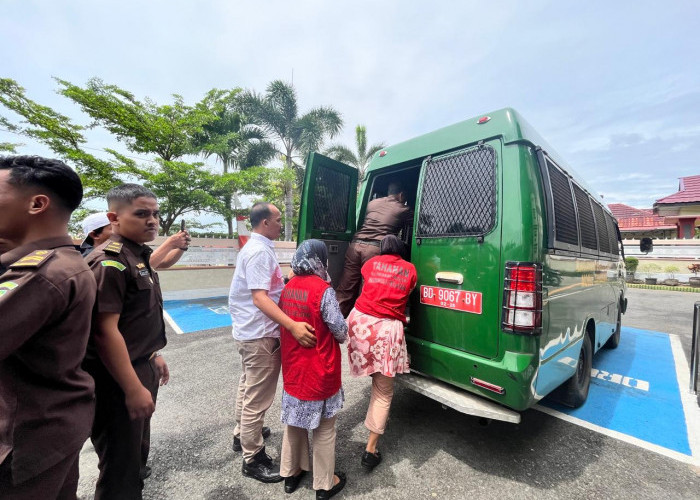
[(46, 399), (384, 216), (127, 285)]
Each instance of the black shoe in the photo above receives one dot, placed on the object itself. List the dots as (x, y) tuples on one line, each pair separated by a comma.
[(261, 468), (326, 494), (145, 473), (291, 482), (237, 440), (371, 460)]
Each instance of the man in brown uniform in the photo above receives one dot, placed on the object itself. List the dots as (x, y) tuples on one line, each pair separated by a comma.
[(127, 332), (46, 298), (384, 216)]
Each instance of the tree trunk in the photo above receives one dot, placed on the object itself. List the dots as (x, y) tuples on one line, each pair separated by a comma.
[(229, 218)]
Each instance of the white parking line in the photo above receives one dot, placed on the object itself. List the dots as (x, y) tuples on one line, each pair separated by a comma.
[(690, 409), (689, 400), (172, 323)]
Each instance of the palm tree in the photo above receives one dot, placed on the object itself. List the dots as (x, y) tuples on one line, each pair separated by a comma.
[(360, 159), (277, 114), (232, 141)]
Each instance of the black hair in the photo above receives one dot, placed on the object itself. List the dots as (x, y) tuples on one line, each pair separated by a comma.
[(392, 245), (98, 231), (395, 188), (260, 211), (127, 193), (44, 173)]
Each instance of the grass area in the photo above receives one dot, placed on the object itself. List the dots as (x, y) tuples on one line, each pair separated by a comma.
[(664, 287)]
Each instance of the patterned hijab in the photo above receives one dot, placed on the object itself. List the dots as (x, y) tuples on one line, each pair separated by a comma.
[(311, 258)]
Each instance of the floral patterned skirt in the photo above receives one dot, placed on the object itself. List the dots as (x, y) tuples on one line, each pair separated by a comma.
[(376, 345)]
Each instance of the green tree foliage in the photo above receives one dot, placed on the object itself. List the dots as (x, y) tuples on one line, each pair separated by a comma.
[(276, 113), (170, 132), (56, 131), (238, 147), (359, 158)]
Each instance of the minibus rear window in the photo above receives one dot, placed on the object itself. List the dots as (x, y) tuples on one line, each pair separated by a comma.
[(330, 187), (459, 194)]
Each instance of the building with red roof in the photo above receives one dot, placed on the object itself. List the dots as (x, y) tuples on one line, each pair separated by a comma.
[(637, 223), (683, 207)]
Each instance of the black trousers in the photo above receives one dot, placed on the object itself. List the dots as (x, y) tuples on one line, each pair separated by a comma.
[(118, 440), (59, 482)]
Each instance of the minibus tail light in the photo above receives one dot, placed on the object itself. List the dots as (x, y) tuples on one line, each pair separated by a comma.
[(522, 298)]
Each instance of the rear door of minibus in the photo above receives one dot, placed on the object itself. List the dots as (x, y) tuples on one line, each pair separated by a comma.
[(457, 251), (327, 209)]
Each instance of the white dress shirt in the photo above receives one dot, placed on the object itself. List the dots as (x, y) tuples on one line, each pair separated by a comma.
[(256, 269)]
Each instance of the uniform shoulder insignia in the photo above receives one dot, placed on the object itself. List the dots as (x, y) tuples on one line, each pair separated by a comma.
[(7, 286), (114, 247), (35, 259), (113, 263)]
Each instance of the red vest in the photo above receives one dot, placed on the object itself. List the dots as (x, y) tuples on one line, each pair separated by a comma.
[(310, 374), (388, 281)]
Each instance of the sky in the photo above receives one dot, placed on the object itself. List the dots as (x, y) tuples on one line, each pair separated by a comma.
[(614, 87)]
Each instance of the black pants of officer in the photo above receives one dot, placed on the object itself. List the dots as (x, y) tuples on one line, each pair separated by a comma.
[(117, 439)]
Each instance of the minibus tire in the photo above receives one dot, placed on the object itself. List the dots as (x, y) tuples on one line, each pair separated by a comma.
[(574, 392), (614, 339)]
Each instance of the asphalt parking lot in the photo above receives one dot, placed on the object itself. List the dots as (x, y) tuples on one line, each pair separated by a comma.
[(429, 452)]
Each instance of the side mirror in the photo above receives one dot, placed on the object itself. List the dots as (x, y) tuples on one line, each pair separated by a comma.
[(646, 245)]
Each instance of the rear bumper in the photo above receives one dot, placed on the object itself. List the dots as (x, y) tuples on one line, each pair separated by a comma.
[(514, 372)]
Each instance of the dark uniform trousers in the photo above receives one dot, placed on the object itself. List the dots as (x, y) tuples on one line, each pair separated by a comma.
[(61, 478), (117, 439), (350, 283)]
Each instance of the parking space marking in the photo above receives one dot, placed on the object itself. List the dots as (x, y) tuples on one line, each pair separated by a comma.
[(190, 316), (639, 395)]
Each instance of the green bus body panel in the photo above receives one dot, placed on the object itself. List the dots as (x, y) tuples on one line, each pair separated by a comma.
[(455, 346)]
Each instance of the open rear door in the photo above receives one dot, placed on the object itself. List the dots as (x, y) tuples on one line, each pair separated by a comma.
[(327, 211)]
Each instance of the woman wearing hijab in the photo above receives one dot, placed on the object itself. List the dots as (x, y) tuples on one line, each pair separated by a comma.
[(312, 394), (377, 346)]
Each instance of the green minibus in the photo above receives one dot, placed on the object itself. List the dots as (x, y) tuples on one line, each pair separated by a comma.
[(520, 266)]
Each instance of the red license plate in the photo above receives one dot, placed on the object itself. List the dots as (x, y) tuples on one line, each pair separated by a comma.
[(460, 300)]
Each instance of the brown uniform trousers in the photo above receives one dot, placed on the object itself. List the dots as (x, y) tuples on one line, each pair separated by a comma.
[(348, 289), (118, 439)]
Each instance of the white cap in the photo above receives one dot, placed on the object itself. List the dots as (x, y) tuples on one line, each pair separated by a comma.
[(94, 221)]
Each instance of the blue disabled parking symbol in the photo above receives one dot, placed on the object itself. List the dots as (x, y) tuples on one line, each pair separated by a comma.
[(189, 316), (635, 395)]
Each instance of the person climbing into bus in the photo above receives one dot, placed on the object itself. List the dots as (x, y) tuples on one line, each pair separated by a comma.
[(376, 328), (387, 215)]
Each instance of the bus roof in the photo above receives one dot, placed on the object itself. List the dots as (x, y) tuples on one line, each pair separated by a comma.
[(505, 123)]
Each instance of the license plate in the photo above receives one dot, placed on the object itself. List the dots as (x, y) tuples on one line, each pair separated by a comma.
[(460, 300)]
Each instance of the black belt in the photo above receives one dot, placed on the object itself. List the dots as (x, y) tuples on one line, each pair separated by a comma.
[(368, 242)]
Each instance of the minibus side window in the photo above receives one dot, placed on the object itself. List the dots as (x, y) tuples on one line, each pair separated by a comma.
[(589, 238), (331, 186), (603, 238), (565, 227), (459, 194), (612, 232)]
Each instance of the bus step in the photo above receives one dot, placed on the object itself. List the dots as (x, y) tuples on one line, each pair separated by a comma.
[(457, 399)]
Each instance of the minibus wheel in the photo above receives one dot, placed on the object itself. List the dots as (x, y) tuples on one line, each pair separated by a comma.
[(614, 339), (573, 392)]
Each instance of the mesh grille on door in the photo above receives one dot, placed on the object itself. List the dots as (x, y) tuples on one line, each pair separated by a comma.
[(459, 194), (603, 238), (331, 193)]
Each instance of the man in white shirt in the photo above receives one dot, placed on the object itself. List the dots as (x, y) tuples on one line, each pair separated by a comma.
[(255, 291)]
